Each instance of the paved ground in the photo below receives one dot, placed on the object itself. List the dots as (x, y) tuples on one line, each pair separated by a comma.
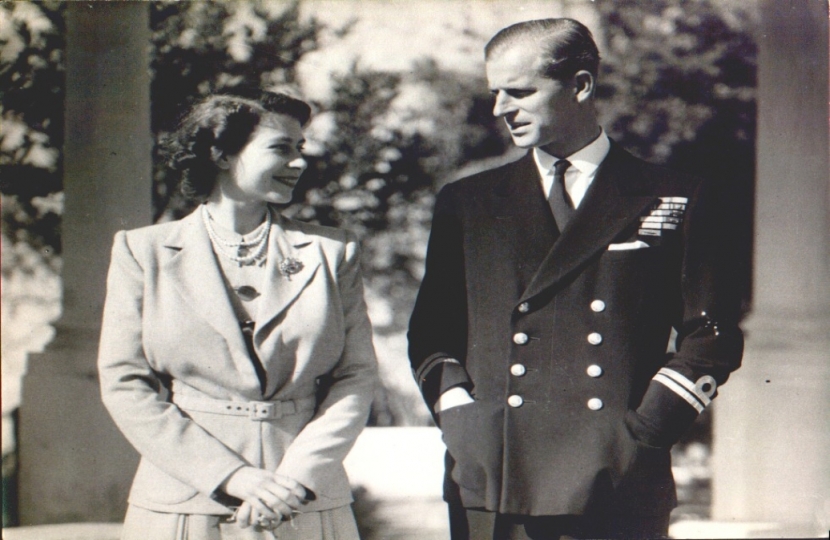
[(425, 520)]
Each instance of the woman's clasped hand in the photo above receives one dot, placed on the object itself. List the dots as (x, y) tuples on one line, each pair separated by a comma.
[(267, 498)]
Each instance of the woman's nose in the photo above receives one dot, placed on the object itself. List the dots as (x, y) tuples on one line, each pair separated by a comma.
[(298, 163)]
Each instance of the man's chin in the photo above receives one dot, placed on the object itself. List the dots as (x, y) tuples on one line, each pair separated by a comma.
[(523, 141)]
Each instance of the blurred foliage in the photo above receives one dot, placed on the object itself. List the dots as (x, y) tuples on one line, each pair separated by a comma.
[(31, 133), (677, 87), (670, 69)]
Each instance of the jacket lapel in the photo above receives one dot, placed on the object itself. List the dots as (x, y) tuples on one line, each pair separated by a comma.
[(287, 243), (525, 229), (616, 198), (198, 279)]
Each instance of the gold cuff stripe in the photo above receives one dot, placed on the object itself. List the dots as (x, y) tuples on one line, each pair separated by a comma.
[(424, 372), (694, 388), (680, 391)]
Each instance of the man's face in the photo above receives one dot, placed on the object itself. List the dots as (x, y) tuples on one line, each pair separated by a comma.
[(538, 111)]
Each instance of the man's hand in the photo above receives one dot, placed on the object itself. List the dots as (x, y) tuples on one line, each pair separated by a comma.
[(453, 397)]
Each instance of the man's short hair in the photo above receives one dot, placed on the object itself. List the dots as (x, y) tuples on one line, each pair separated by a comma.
[(566, 45)]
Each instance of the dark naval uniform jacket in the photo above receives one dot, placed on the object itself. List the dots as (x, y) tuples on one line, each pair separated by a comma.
[(562, 338)]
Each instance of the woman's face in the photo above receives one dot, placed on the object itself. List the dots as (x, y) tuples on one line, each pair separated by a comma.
[(268, 168)]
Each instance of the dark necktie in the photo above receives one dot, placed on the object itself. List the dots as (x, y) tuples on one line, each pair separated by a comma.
[(560, 202)]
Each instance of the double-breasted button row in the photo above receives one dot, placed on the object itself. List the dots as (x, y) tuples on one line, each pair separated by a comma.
[(597, 306), (519, 370), (595, 371)]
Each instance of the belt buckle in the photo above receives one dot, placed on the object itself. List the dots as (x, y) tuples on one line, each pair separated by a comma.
[(263, 411)]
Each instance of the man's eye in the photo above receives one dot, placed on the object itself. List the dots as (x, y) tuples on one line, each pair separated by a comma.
[(521, 93)]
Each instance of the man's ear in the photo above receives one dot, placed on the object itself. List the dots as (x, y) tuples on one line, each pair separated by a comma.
[(584, 85)]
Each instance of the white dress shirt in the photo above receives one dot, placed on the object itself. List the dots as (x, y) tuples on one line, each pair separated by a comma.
[(581, 173)]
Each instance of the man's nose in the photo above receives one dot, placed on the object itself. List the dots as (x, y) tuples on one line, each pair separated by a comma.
[(503, 105)]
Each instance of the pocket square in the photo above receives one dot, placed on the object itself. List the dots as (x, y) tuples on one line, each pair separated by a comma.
[(637, 244)]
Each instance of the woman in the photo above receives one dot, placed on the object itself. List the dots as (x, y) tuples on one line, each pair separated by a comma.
[(236, 354)]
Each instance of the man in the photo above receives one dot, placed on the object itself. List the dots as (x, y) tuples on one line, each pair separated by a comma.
[(553, 285)]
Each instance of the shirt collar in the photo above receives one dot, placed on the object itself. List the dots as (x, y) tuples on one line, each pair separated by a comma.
[(586, 160)]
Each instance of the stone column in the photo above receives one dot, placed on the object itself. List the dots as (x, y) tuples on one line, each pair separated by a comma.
[(74, 464), (772, 420)]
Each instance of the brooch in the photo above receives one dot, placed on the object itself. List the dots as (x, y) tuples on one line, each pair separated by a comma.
[(290, 266)]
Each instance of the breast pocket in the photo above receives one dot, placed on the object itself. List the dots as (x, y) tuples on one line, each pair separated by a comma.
[(628, 277)]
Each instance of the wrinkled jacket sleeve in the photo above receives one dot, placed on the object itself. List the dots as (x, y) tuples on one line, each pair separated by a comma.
[(709, 340), (438, 326), (342, 414), (130, 388)]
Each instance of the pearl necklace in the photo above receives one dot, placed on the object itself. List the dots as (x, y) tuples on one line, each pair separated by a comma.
[(255, 247)]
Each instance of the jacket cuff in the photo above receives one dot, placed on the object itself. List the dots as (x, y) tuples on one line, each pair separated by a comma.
[(670, 405), (213, 482), (437, 374)]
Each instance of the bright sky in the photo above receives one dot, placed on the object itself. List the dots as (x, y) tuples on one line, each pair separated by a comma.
[(391, 34)]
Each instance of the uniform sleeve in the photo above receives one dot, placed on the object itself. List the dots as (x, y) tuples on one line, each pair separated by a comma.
[(130, 389), (438, 326), (709, 340), (342, 414)]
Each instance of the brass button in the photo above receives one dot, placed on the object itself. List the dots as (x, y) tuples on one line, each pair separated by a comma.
[(524, 307), (594, 338), (594, 371), (597, 306), (595, 404), (520, 338), (518, 370), (515, 401)]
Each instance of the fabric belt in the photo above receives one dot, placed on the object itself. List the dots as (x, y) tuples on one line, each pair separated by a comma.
[(255, 410)]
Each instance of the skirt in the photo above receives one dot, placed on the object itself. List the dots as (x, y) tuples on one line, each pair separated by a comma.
[(143, 524)]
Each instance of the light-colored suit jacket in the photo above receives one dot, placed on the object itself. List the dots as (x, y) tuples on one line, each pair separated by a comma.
[(169, 333)]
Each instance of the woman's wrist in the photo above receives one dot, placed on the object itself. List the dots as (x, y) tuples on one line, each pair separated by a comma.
[(229, 485)]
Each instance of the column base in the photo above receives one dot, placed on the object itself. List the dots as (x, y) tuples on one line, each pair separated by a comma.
[(772, 427), (733, 530), (75, 466)]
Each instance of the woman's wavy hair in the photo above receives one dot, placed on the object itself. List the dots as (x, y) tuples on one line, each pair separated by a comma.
[(220, 126)]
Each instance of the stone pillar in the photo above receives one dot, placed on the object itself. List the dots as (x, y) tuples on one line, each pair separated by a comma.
[(74, 464), (772, 420)]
